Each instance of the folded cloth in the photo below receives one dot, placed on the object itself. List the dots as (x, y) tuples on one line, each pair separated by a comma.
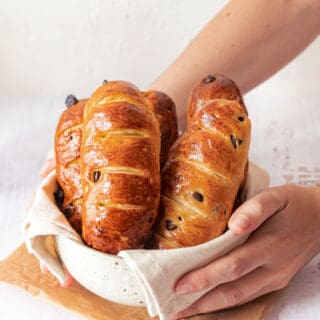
[(43, 221), (156, 270)]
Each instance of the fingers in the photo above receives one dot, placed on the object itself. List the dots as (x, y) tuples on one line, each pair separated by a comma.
[(252, 213), (231, 294), (232, 266), (68, 282), (49, 164)]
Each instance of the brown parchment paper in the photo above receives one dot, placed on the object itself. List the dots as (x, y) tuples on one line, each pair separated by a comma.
[(22, 269)]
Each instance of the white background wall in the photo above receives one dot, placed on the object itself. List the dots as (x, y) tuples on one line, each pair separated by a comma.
[(57, 47)]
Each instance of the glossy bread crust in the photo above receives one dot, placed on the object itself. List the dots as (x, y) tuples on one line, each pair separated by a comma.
[(202, 176), (120, 168), (67, 150), (214, 86), (165, 110)]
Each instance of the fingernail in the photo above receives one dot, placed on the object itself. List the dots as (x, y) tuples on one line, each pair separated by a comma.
[(184, 288), (241, 222)]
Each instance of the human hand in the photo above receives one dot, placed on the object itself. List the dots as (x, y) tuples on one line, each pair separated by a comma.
[(49, 164), (68, 282), (286, 221)]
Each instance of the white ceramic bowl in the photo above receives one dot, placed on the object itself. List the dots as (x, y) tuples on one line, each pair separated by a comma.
[(106, 275), (109, 277)]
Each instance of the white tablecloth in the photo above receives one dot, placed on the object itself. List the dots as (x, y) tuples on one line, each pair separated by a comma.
[(285, 141)]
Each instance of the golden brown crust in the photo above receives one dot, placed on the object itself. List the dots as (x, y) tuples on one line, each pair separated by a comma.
[(215, 86), (165, 110), (119, 168), (67, 149), (202, 176)]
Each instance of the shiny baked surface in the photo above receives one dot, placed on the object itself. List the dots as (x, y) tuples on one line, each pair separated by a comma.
[(203, 174), (120, 168), (164, 108), (214, 86), (68, 139)]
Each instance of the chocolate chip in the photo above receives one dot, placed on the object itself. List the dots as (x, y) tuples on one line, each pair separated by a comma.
[(240, 118), (234, 141), (150, 219), (209, 78), (179, 218), (70, 100), (68, 210), (96, 176), (105, 82), (198, 196), (59, 197), (170, 225), (240, 142), (71, 137), (102, 230)]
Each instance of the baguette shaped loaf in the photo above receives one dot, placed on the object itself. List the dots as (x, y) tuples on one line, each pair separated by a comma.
[(215, 86), (165, 110), (202, 176), (120, 168), (67, 150)]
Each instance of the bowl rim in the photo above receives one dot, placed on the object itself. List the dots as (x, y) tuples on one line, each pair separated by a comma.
[(227, 233), (83, 246)]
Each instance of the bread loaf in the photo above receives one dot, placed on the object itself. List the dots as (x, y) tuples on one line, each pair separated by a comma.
[(165, 111), (202, 176), (214, 86), (120, 168), (67, 151)]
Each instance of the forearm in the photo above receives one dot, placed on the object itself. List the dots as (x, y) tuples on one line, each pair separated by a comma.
[(248, 41)]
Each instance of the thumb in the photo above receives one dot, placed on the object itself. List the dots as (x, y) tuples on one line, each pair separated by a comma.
[(252, 213)]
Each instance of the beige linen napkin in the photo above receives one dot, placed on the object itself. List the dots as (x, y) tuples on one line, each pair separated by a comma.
[(156, 270), (44, 220)]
